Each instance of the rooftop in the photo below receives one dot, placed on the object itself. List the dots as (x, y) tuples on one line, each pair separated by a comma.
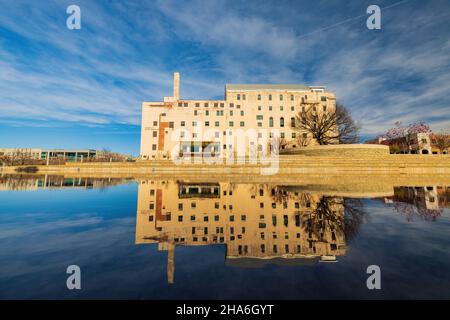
[(267, 87)]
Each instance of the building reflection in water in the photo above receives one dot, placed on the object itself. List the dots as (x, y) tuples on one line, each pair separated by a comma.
[(255, 222), (423, 202), (34, 182)]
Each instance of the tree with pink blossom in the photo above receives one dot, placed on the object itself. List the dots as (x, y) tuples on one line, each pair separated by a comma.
[(403, 135)]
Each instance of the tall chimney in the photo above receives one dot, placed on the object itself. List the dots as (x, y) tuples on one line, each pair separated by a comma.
[(176, 86)]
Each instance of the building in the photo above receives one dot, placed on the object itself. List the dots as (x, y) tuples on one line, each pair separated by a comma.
[(244, 123), (255, 222), (43, 154), (414, 143)]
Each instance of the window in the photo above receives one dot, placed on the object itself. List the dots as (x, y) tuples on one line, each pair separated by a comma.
[(282, 135), (242, 123), (180, 218), (259, 108), (207, 113), (153, 147), (270, 97), (222, 105), (206, 123), (292, 108), (171, 124), (231, 112), (155, 123), (323, 98), (293, 122), (270, 122), (238, 97), (259, 117), (281, 122), (216, 134), (242, 112), (270, 108), (231, 123), (155, 134), (294, 135), (197, 104), (206, 104), (324, 108), (183, 123), (195, 112), (216, 123), (194, 123), (281, 108), (259, 124), (281, 97), (259, 97), (243, 97), (180, 206), (152, 206), (216, 104), (185, 104), (292, 97), (180, 104)]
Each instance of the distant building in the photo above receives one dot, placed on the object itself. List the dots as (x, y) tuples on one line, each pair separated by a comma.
[(37, 153), (417, 143), (215, 128)]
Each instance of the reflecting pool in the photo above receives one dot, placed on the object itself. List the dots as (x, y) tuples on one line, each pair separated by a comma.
[(192, 238)]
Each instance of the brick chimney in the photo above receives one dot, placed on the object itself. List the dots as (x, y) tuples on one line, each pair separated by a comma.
[(176, 86)]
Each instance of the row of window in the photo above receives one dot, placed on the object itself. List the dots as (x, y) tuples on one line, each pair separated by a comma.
[(241, 96), (241, 123), (230, 207)]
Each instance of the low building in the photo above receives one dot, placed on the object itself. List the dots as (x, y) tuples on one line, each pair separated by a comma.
[(416, 143), (43, 154)]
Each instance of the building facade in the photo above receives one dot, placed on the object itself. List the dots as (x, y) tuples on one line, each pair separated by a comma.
[(414, 143), (243, 123)]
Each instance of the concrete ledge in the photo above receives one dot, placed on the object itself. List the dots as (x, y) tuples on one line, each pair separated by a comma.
[(365, 150)]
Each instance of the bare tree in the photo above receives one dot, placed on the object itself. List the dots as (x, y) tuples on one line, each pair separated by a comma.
[(328, 127), (303, 140), (441, 141), (276, 144)]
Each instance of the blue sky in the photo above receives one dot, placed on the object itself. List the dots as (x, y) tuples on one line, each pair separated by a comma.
[(84, 88)]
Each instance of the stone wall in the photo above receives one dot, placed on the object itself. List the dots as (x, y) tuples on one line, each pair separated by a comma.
[(340, 150)]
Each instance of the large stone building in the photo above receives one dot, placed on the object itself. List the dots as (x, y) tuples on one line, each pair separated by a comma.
[(245, 123), (256, 223)]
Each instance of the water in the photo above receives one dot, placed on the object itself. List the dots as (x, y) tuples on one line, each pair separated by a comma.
[(168, 238)]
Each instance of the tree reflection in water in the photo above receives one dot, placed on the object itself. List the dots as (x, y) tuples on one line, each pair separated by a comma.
[(330, 214)]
